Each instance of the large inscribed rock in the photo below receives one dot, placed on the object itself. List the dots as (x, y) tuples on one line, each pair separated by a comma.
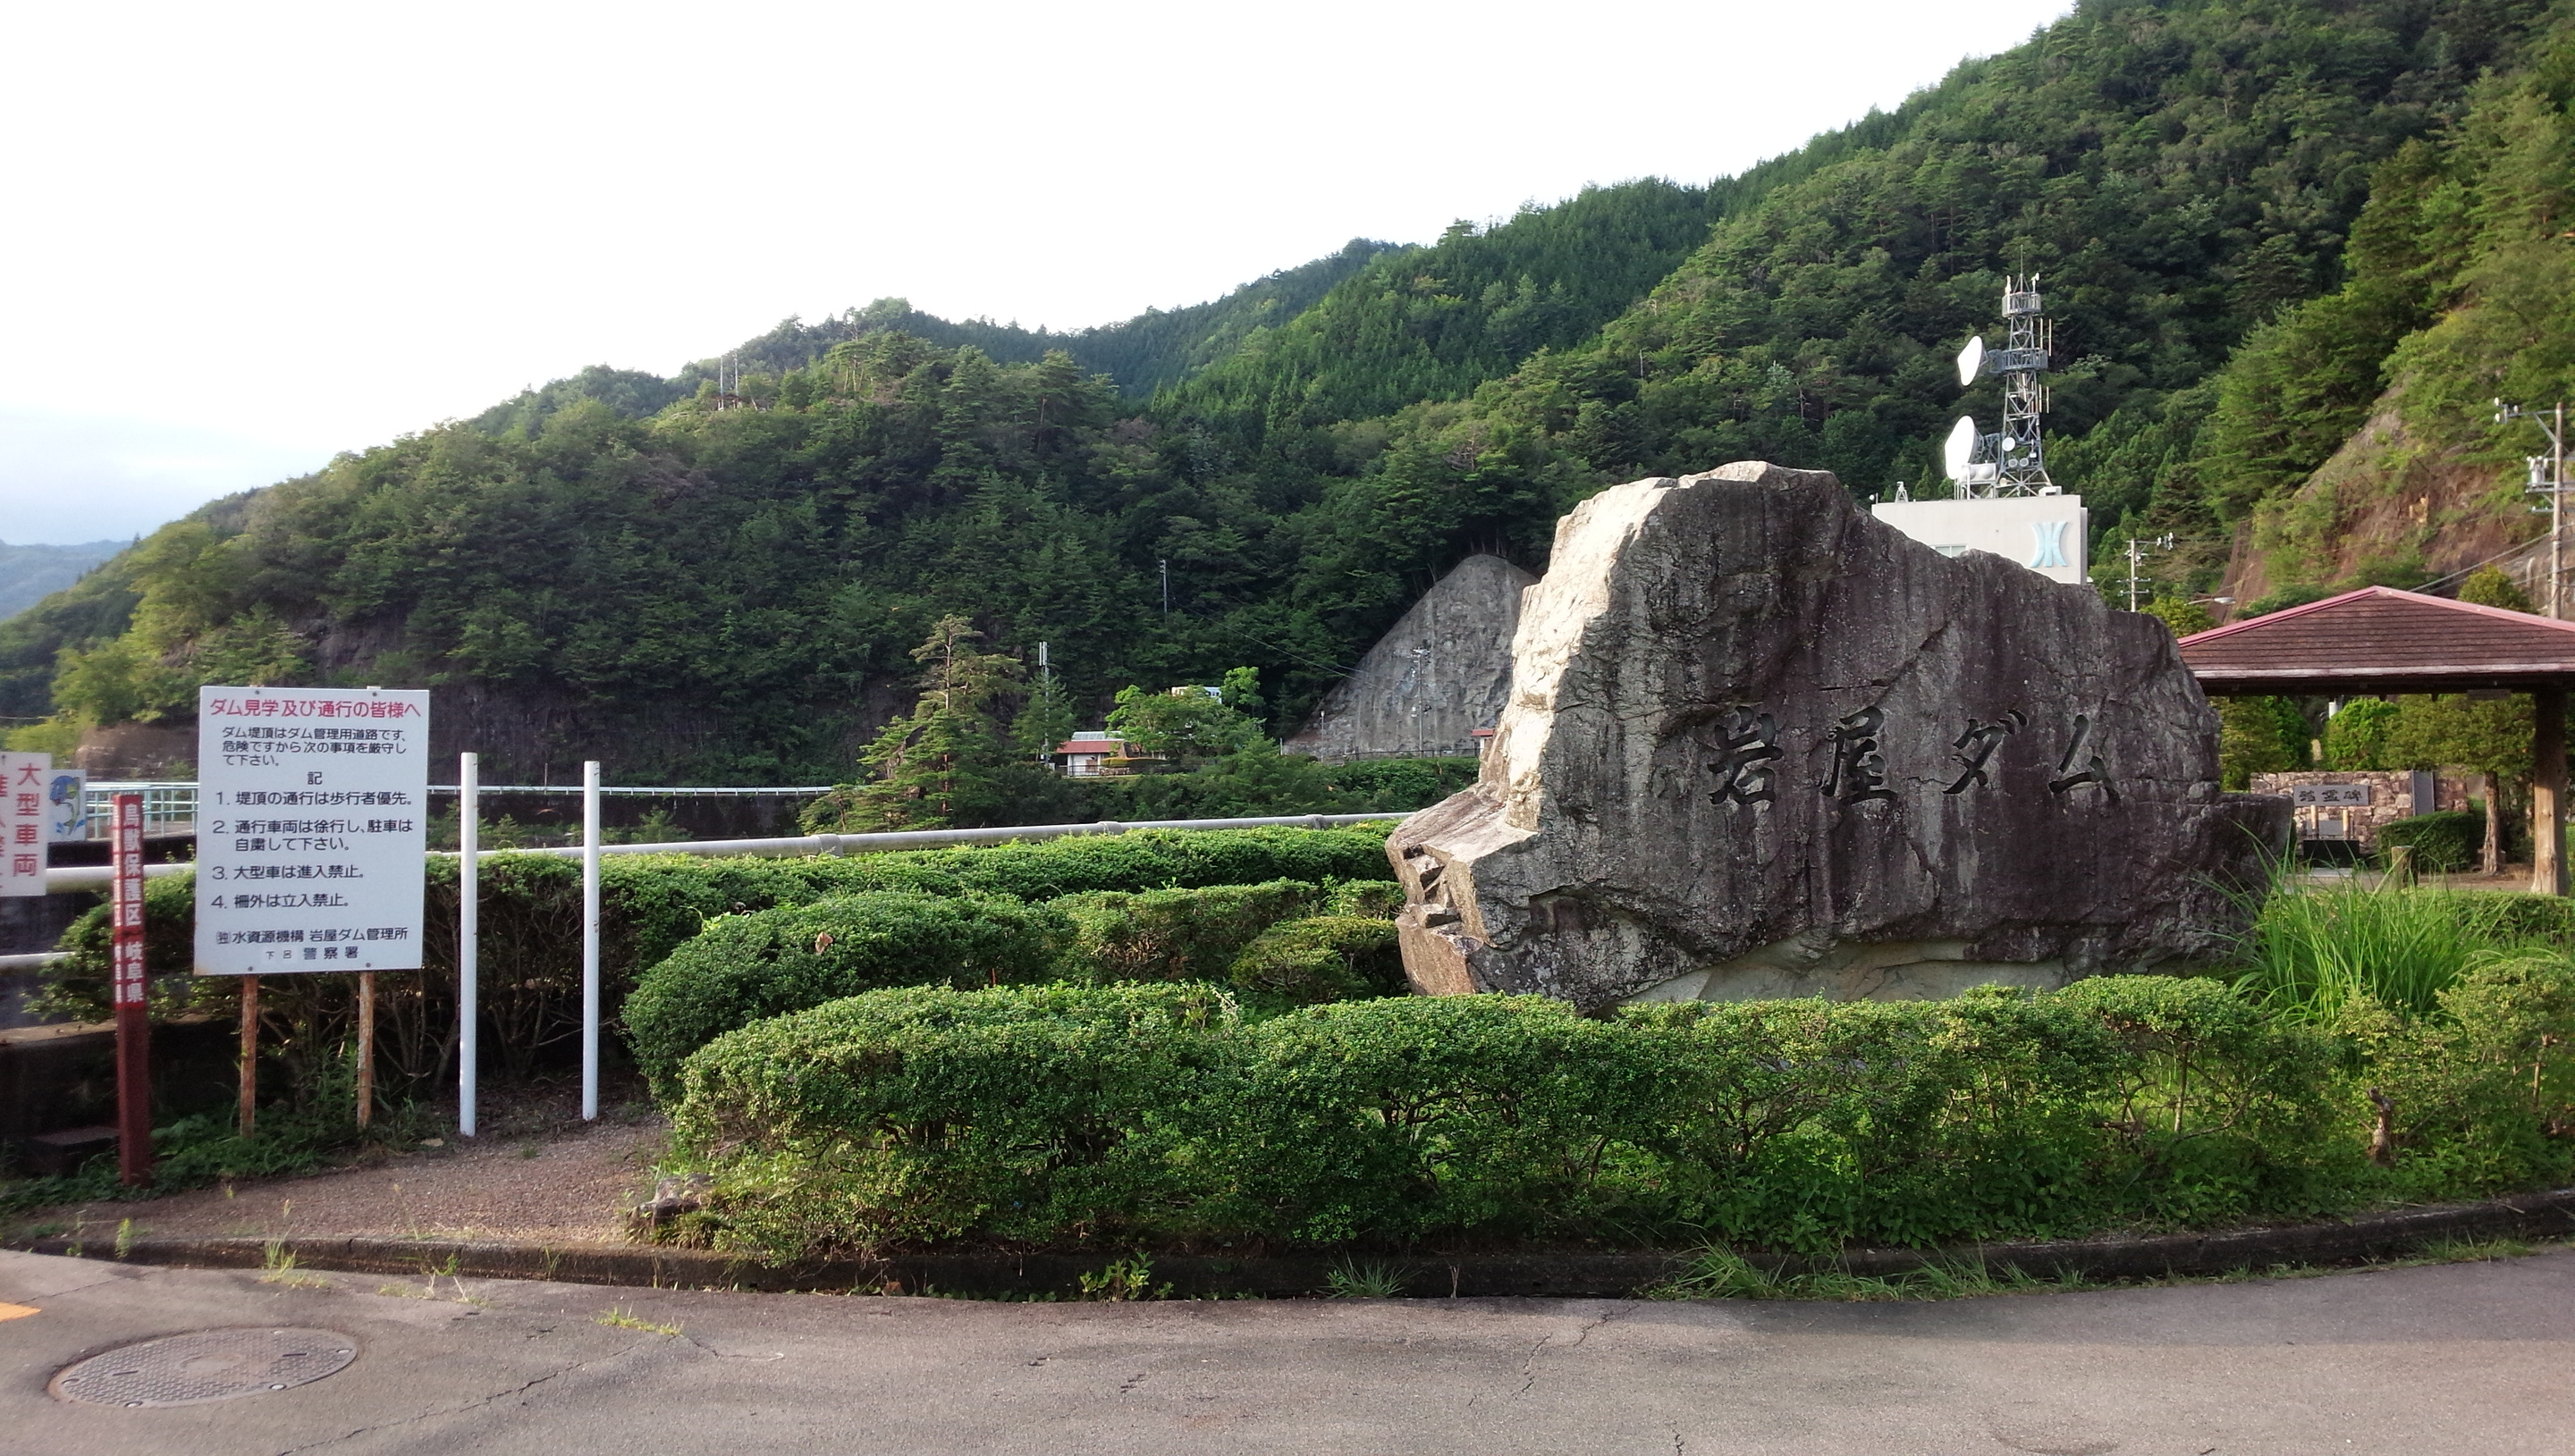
[(1760, 745)]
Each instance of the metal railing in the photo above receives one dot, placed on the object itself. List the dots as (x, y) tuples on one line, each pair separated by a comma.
[(167, 807), (95, 877), (170, 807)]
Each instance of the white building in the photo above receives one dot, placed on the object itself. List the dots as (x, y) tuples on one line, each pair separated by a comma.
[(2050, 535)]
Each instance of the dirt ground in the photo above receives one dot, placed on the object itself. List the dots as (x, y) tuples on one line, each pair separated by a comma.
[(536, 1174)]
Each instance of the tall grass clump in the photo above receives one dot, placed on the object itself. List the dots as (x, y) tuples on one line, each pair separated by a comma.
[(2315, 953)]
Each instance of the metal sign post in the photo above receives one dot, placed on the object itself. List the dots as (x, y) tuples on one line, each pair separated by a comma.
[(469, 925), (132, 1024), (590, 941)]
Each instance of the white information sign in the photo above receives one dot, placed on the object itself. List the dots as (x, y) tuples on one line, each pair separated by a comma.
[(312, 828), (66, 812), (2328, 795), (22, 821)]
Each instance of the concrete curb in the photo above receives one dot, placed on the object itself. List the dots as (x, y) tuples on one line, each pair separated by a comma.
[(1527, 1275)]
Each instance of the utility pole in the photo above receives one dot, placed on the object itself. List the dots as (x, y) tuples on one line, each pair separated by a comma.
[(1164, 563), (2547, 478), (2136, 556)]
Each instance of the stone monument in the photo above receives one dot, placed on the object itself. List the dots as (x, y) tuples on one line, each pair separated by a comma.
[(1760, 745)]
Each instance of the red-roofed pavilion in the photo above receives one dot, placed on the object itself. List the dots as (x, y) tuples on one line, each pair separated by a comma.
[(2381, 640)]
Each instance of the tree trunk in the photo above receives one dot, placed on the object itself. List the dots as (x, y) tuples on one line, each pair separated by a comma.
[(2494, 825)]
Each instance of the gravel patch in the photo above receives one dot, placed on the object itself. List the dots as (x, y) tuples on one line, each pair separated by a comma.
[(537, 1174)]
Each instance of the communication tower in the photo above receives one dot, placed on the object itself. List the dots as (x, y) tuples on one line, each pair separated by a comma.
[(2013, 461), (2005, 501)]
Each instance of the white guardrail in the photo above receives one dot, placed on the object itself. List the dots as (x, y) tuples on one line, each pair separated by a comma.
[(170, 806), (78, 878)]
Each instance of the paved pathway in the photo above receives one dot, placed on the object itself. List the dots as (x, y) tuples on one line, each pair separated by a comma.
[(2469, 1358)]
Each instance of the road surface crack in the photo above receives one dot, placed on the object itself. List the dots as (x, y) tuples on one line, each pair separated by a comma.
[(471, 1405), (1528, 1367)]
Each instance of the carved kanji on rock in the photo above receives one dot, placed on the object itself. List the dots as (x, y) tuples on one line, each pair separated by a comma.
[(1750, 745)]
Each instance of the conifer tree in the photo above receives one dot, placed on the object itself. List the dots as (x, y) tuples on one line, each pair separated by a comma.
[(942, 761)]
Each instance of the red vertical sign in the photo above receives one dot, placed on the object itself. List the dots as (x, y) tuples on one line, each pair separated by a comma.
[(133, 1029)]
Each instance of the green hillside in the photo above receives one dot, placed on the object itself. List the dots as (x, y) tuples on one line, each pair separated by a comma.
[(624, 567), (2355, 434)]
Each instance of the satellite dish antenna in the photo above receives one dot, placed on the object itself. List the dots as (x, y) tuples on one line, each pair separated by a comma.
[(1960, 448), (1971, 359)]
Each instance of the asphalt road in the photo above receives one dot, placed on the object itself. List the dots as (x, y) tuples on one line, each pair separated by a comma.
[(2459, 1358)]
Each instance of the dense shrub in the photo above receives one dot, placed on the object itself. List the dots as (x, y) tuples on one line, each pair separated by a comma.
[(2481, 1098), (1380, 898), (1321, 958), (2444, 842), (2121, 1101), (1175, 934), (1019, 1113), (742, 968)]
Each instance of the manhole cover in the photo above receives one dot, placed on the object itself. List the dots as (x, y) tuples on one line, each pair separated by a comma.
[(205, 1365)]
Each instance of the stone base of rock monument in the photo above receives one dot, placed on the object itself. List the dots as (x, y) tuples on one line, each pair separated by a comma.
[(1760, 745), (1846, 970)]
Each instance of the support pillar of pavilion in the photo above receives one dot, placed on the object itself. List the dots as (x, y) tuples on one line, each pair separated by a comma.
[(2548, 793), (2379, 642)]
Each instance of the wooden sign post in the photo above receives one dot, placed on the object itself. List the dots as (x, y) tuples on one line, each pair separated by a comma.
[(132, 1024)]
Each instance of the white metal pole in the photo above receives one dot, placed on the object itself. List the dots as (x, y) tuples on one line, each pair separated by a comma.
[(469, 927), (2556, 542), (590, 941)]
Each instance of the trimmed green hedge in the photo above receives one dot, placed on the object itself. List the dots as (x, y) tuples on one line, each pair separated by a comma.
[(1177, 935), (2444, 842), (1321, 958), (742, 968), (531, 906), (1073, 1116)]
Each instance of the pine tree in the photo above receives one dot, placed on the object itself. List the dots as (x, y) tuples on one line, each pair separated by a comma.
[(942, 761)]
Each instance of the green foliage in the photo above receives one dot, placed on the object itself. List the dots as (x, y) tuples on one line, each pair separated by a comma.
[(2454, 731), (742, 968), (2315, 953), (2444, 842), (1177, 935), (1262, 782), (206, 1148), (1321, 958), (899, 1118), (2184, 618), (2358, 738), (1185, 725), (652, 905), (2295, 594), (2481, 1095), (2492, 587), (2258, 735), (1152, 351), (922, 1114), (950, 763)]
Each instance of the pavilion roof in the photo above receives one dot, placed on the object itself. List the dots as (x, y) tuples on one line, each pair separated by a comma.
[(2379, 640)]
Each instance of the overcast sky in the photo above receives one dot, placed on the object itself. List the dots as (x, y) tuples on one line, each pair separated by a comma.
[(245, 237)]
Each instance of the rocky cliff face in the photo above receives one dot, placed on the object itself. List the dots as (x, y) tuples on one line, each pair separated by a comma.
[(1762, 744), (1442, 673)]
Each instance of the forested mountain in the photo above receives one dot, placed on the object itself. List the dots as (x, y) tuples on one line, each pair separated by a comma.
[(712, 588), (29, 573), (2355, 434), (1150, 352)]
